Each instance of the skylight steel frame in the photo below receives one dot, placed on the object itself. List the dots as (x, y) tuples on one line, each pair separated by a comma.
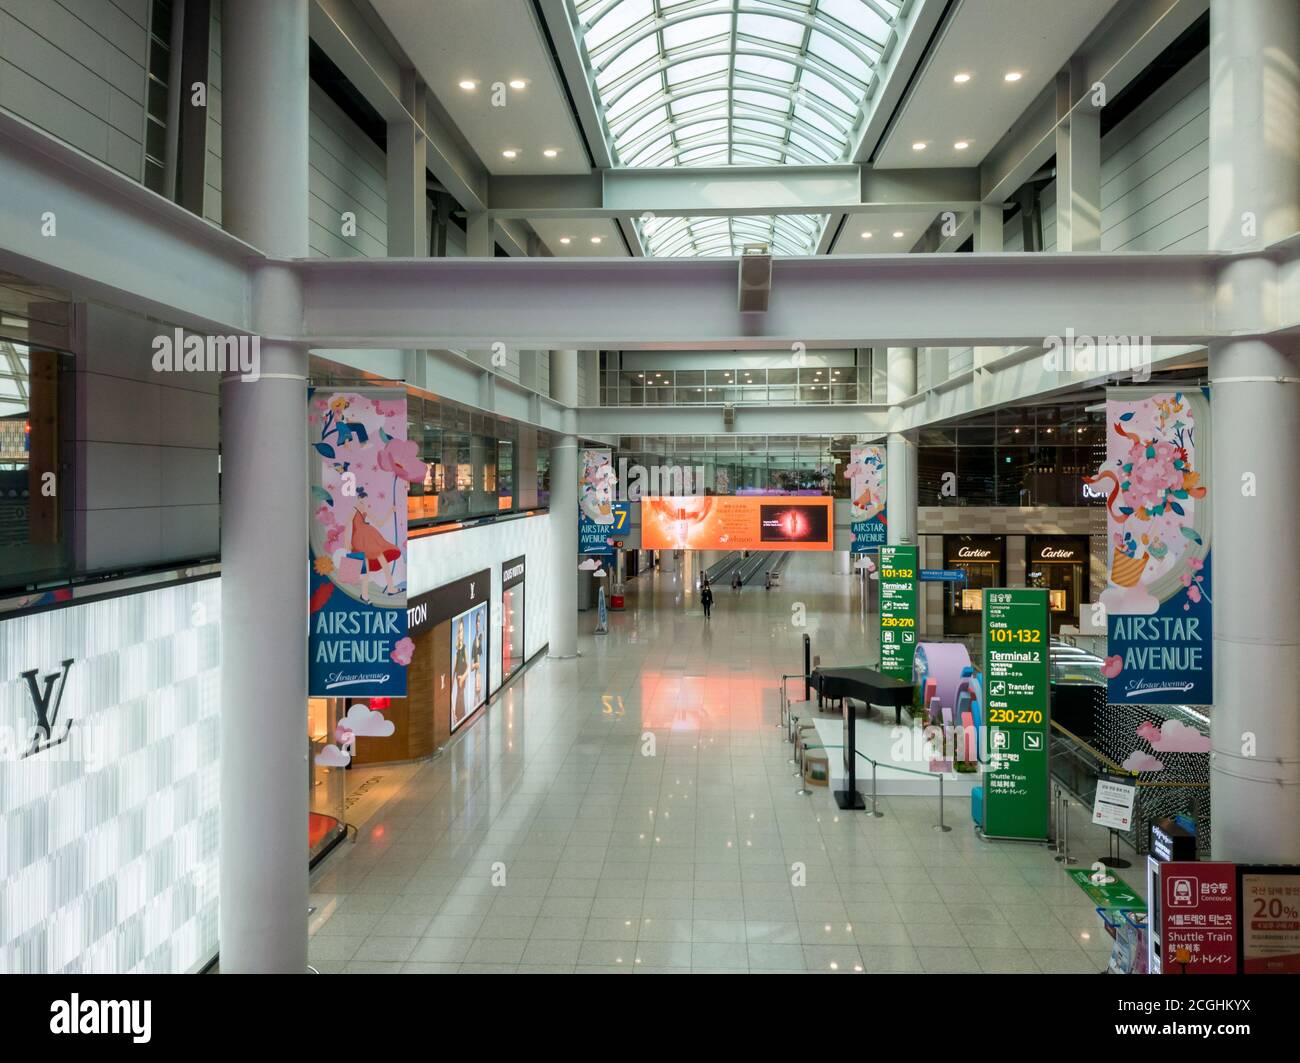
[(730, 113)]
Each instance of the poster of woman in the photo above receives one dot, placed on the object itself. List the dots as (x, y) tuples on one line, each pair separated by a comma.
[(469, 663)]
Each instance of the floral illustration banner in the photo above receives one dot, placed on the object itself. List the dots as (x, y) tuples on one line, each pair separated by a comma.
[(598, 513), (866, 476), (361, 467), (1158, 594)]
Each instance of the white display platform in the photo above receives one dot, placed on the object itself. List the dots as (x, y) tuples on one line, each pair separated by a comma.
[(877, 737)]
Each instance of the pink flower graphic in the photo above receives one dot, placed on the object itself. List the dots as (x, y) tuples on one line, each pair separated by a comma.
[(403, 652), (402, 457), (1112, 666)]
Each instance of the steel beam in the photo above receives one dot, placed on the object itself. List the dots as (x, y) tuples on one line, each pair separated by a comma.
[(650, 304), (68, 220), (732, 191)]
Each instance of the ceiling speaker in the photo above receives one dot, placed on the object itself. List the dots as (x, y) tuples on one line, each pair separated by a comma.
[(755, 278)]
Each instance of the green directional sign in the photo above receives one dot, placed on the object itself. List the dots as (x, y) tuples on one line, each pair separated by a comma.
[(898, 613), (1115, 893), (1016, 694)]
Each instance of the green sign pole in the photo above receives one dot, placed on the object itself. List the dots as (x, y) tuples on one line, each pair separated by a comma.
[(1016, 695), (898, 615)]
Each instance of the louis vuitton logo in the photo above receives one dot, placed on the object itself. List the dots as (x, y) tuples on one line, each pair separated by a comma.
[(43, 732)]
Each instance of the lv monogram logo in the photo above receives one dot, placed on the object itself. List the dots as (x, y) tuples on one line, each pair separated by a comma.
[(43, 732)]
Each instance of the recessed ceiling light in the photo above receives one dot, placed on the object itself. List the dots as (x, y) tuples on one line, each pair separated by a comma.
[(919, 146), (595, 239), (565, 240), (898, 235), (866, 236), (510, 153), (469, 86), (962, 145), (550, 153), (518, 83), (961, 78), (1012, 75)]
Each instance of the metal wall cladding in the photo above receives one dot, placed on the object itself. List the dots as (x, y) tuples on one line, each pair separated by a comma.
[(109, 840)]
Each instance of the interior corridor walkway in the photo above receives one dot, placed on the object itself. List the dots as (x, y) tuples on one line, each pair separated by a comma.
[(545, 840)]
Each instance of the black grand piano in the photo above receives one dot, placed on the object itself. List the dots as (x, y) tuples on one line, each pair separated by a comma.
[(847, 685)]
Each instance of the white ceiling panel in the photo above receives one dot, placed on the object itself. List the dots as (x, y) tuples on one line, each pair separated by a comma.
[(986, 39), (491, 42)]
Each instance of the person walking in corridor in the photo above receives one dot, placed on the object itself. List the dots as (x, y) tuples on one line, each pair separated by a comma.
[(706, 599)]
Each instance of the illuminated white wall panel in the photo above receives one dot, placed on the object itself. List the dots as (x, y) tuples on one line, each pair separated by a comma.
[(438, 559), (109, 841)]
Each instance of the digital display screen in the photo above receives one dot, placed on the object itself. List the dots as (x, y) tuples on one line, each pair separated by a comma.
[(730, 522), (796, 523)]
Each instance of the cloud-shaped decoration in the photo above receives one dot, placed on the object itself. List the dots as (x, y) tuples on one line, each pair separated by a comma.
[(589, 565), (1178, 737), (1138, 761), (366, 723), (403, 652), (332, 757)]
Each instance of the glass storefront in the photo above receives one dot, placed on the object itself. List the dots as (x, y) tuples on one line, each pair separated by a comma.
[(1060, 564), (1018, 456), (983, 560), (478, 464), (326, 782), (512, 617)]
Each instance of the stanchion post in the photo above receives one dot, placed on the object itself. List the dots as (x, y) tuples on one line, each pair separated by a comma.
[(941, 826), (875, 812), (807, 667)]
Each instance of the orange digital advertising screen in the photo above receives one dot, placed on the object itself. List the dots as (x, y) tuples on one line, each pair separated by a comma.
[(737, 522)]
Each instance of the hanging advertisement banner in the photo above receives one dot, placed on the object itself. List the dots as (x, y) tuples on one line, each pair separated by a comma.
[(898, 610), (866, 476), (361, 465), (1016, 688), (737, 522), (1198, 918), (600, 518), (1158, 598)]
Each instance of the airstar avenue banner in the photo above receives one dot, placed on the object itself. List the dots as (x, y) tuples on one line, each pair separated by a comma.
[(1158, 496)]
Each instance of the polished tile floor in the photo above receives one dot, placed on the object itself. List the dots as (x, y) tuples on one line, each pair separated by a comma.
[(632, 811)]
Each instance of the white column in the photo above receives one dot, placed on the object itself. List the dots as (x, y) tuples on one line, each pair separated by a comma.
[(668, 562), (564, 513), (1078, 165), (264, 770), (900, 453), (1254, 200), (843, 562)]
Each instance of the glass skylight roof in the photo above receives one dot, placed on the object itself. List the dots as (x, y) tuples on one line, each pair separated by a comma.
[(784, 234), (734, 83)]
